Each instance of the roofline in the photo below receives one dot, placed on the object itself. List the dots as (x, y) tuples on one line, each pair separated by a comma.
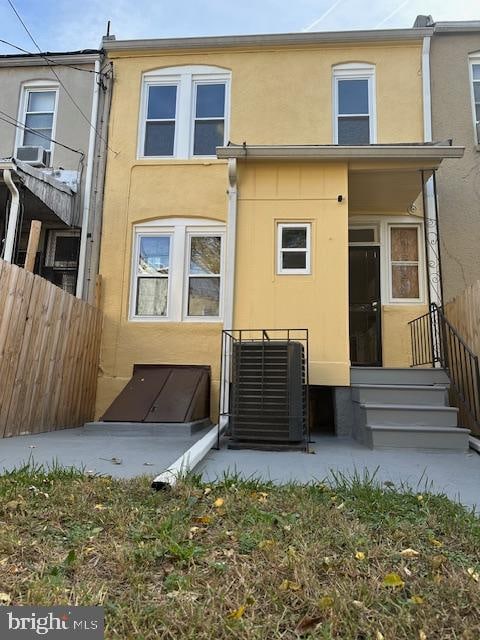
[(265, 40), (337, 152), (89, 56), (459, 26)]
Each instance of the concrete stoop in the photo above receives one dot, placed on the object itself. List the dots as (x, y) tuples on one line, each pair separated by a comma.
[(405, 408)]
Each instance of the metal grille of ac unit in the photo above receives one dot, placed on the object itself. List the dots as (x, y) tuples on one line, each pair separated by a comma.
[(268, 392)]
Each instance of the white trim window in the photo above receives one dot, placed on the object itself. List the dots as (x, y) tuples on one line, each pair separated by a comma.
[(404, 267), (475, 87), (293, 248), (152, 271), (354, 111), (203, 275), (184, 112), (37, 114), (177, 271)]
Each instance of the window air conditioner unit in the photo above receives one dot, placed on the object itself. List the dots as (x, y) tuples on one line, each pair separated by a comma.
[(35, 156)]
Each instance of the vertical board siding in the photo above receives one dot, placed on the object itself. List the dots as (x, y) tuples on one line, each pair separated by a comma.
[(49, 352)]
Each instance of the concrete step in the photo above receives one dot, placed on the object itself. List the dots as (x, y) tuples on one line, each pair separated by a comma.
[(409, 415), (417, 437), (397, 376), (400, 394), (137, 429)]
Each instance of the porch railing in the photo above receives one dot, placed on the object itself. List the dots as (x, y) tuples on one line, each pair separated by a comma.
[(436, 342)]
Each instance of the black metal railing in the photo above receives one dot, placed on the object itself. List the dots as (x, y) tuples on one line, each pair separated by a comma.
[(231, 340), (436, 342)]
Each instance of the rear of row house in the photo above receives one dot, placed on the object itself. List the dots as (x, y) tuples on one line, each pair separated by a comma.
[(283, 185)]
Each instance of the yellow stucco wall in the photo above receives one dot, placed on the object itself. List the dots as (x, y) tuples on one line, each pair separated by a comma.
[(278, 96), (271, 193), (396, 344)]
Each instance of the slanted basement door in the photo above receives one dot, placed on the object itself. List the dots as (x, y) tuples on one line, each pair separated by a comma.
[(163, 393)]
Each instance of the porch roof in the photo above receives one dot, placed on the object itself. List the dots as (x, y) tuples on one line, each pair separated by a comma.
[(419, 155), (55, 194)]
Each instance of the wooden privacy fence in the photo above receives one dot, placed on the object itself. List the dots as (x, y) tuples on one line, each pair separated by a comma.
[(49, 350), (463, 313)]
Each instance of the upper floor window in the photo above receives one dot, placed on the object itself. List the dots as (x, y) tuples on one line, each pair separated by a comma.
[(475, 77), (354, 104), (184, 112), (37, 115)]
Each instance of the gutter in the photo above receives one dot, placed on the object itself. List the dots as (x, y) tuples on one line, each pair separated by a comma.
[(88, 183), (38, 59), (335, 152), (267, 40), (12, 216)]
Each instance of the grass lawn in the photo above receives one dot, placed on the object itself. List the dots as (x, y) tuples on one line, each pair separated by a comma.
[(242, 559)]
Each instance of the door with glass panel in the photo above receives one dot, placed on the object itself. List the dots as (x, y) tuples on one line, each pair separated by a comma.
[(365, 305)]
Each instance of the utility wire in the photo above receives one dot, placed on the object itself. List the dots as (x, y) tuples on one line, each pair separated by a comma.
[(59, 80), (19, 125), (55, 64)]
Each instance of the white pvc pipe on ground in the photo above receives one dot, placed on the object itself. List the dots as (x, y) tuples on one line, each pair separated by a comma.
[(188, 460)]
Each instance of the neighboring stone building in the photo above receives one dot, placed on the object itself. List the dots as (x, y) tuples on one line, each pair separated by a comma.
[(455, 99), (52, 141)]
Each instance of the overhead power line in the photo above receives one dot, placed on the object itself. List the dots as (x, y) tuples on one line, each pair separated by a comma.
[(53, 63), (19, 125), (74, 102)]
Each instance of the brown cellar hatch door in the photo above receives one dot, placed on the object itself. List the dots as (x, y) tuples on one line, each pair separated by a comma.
[(163, 393)]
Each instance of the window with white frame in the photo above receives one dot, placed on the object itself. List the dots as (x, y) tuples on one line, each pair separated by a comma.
[(475, 79), (37, 115), (293, 248), (184, 112), (152, 265), (178, 270), (203, 275), (404, 263), (354, 104)]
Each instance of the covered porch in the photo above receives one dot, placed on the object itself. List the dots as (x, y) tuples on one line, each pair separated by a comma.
[(48, 198), (342, 242), (386, 196)]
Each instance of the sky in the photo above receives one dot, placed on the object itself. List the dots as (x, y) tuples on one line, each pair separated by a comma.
[(63, 25)]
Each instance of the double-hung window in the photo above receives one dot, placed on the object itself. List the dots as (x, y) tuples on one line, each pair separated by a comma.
[(177, 271), (475, 79), (184, 112), (209, 127), (160, 120), (204, 272), (354, 104), (152, 271), (293, 250), (37, 116)]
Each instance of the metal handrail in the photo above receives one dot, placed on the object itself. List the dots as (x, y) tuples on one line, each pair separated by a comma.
[(435, 341)]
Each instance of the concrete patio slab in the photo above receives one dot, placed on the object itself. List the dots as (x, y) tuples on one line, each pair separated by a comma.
[(140, 451), (456, 474)]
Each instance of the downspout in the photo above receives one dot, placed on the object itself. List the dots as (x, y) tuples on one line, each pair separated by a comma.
[(12, 216), (197, 452), (231, 244), (432, 244), (229, 272), (88, 183)]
